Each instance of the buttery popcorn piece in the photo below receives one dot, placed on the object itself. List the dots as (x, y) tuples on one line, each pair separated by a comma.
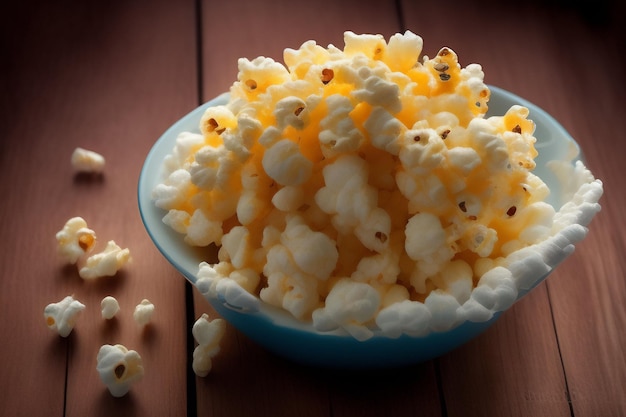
[(119, 368), (62, 316), (75, 239), (105, 263), (143, 312), (84, 160), (208, 334), (110, 307), (366, 190)]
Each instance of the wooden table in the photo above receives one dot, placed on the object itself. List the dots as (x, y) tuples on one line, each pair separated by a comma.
[(112, 77)]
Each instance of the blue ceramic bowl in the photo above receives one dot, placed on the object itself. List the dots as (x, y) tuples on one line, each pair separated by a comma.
[(282, 334)]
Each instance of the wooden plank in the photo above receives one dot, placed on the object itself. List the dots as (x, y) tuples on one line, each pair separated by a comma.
[(514, 368), (588, 294), (244, 29), (111, 78), (247, 379)]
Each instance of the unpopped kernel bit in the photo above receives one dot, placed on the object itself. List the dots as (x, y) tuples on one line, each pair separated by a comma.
[(75, 239), (84, 160), (208, 334), (345, 186), (110, 307), (143, 312), (62, 316), (105, 263), (119, 368)]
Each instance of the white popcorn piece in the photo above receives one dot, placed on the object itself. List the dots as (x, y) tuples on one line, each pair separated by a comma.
[(404, 317), (62, 316), (385, 131), (350, 306), (232, 292), (109, 307), (284, 163), (84, 160), (119, 368), (143, 312), (75, 239), (208, 334), (171, 193), (424, 236), (106, 263), (338, 133), (288, 287), (313, 252)]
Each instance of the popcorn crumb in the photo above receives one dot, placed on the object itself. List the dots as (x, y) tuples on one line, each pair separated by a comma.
[(143, 312), (106, 263), (84, 160), (366, 191), (62, 316), (75, 239), (119, 368), (208, 334), (110, 307)]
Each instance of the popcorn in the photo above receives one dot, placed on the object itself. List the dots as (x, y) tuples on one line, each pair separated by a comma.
[(143, 312), (62, 316), (365, 191), (119, 368), (105, 263), (208, 334), (84, 160), (349, 305), (110, 307), (75, 239)]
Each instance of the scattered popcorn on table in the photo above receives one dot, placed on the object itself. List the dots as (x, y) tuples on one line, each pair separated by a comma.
[(119, 368), (208, 334), (364, 190), (75, 239), (110, 307), (105, 263), (62, 316), (143, 312), (84, 160)]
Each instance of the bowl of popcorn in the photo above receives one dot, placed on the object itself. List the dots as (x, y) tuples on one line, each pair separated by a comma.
[(367, 206)]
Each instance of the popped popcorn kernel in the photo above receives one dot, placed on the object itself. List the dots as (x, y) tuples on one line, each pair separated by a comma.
[(62, 316), (109, 307), (365, 190), (119, 368), (75, 239), (143, 312), (208, 334), (105, 263), (84, 160)]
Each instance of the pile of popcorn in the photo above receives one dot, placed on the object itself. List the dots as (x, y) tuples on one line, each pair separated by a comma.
[(365, 190)]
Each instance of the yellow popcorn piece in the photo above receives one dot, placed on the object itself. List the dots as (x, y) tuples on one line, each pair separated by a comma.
[(62, 316), (75, 239), (105, 263), (367, 172)]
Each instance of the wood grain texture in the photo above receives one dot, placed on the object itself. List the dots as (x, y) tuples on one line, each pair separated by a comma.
[(587, 293), (111, 79)]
